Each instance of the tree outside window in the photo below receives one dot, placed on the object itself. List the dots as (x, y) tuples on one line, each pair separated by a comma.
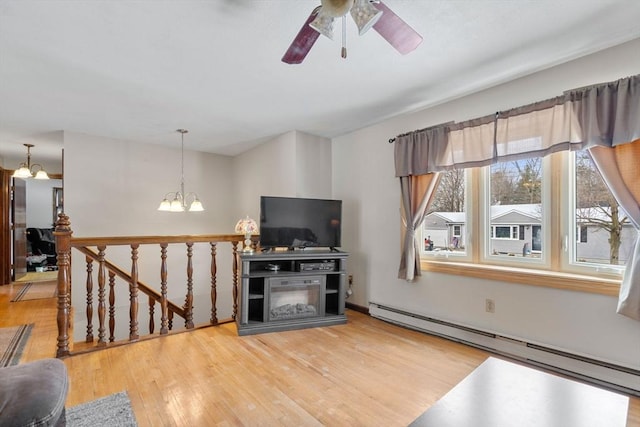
[(600, 219)]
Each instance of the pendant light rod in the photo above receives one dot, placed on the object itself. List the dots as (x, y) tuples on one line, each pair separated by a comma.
[(182, 132), (179, 198)]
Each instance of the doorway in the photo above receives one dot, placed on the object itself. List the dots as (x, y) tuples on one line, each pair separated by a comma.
[(18, 212)]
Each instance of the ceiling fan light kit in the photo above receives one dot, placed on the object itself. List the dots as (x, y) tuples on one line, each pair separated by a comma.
[(336, 8), (323, 24), (366, 14)]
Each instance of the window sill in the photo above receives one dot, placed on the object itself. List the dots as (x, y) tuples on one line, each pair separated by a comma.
[(547, 279)]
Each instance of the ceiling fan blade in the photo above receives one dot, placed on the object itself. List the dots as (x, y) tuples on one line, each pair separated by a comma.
[(394, 30), (303, 42)]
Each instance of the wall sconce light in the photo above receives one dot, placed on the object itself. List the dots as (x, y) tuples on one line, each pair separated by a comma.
[(180, 199), (27, 170), (246, 226)]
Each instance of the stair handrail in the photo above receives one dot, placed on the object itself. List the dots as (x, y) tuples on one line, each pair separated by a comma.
[(65, 242)]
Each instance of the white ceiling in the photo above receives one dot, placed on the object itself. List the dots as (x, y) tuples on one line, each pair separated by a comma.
[(138, 70)]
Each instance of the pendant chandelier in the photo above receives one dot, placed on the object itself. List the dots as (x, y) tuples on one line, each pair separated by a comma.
[(27, 170), (177, 201)]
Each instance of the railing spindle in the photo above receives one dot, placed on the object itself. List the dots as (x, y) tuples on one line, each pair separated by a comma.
[(133, 294), (112, 306), (188, 305), (152, 322), (101, 304), (89, 336), (214, 285), (164, 306)]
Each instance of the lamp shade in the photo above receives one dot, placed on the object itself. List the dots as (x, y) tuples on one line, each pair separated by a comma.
[(176, 205), (22, 172), (246, 226), (365, 15), (323, 24), (165, 205), (41, 175), (196, 206)]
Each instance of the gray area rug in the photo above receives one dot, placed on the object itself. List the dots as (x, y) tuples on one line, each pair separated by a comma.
[(113, 411)]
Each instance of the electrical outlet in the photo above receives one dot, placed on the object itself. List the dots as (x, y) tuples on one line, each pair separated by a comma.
[(490, 305)]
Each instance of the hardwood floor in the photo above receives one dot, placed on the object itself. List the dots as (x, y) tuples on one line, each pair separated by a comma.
[(364, 373)]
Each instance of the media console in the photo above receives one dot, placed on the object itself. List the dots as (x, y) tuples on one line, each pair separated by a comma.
[(285, 290)]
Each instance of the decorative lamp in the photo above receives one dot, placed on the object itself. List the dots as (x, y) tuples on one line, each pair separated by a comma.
[(246, 226), (365, 15), (27, 170), (180, 199)]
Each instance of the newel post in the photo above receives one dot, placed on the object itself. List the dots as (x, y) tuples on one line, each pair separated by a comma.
[(63, 234)]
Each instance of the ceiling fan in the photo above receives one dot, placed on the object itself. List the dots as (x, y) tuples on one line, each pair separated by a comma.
[(365, 13)]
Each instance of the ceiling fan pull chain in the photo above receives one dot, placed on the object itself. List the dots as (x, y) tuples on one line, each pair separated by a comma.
[(344, 37)]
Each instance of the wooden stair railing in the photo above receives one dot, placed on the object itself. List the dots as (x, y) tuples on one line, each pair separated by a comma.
[(65, 243), (154, 296)]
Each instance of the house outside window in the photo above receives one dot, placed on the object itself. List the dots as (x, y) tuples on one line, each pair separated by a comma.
[(516, 205), (443, 229)]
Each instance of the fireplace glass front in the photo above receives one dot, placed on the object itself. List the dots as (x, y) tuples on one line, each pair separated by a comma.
[(296, 298)]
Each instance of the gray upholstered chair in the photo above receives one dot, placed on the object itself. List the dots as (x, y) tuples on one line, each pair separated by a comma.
[(33, 394)]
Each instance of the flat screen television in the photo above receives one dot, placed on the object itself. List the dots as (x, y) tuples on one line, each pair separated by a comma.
[(294, 222)]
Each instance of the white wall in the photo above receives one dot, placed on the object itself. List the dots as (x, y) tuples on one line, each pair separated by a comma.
[(264, 171), (313, 166), (113, 188), (293, 164), (363, 177)]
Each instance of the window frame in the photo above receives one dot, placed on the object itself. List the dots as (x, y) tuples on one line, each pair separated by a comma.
[(569, 261), (467, 255), (553, 268)]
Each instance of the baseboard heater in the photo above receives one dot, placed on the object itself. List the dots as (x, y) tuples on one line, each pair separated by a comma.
[(605, 374)]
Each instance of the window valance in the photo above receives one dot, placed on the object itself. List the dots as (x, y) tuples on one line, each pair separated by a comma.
[(606, 114)]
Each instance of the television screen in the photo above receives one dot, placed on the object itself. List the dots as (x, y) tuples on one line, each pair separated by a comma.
[(299, 223)]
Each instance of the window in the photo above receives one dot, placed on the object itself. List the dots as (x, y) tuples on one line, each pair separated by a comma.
[(515, 208), (606, 236), (443, 230), (553, 213), (505, 232)]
